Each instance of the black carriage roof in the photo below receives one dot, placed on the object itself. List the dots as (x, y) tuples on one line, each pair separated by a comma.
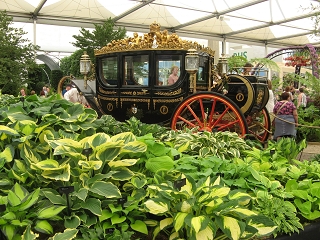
[(154, 40)]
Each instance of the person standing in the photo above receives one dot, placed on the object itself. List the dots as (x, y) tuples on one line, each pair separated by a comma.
[(271, 100), (286, 117), (302, 99), (68, 87), (288, 90)]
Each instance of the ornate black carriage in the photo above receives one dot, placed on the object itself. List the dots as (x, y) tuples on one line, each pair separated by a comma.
[(131, 80)]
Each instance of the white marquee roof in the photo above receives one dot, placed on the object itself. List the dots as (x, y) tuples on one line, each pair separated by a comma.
[(277, 23)]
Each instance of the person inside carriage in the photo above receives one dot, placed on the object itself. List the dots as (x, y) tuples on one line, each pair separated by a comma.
[(247, 69), (174, 75)]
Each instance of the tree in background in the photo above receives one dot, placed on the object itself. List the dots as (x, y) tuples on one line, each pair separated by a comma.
[(17, 56), (88, 41)]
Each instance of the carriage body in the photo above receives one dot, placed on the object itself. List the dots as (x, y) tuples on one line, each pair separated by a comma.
[(131, 80)]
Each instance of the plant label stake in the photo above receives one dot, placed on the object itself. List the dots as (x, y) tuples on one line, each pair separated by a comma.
[(180, 183), (122, 201), (67, 190), (87, 152)]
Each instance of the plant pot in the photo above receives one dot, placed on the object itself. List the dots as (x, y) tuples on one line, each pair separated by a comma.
[(310, 232)]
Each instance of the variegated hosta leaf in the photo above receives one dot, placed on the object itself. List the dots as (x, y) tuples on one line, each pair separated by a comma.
[(93, 205), (219, 191), (95, 165), (29, 154), (27, 127), (44, 227), (67, 234), (179, 220), (106, 189), (242, 212), (96, 139), (108, 151), (263, 224), (156, 207), (7, 155), (29, 235), (185, 207), (165, 222), (122, 174), (206, 233), (123, 163), (49, 212), (134, 147), (47, 164), (126, 137), (231, 227), (66, 142), (61, 173), (196, 223)]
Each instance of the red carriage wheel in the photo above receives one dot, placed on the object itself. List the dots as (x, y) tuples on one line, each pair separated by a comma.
[(207, 111), (259, 125)]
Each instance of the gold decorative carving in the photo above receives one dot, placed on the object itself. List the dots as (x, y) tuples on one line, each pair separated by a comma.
[(260, 96), (250, 89), (135, 100), (166, 101), (155, 39), (134, 93), (98, 104), (110, 107), (240, 97), (178, 91), (107, 92), (164, 109), (109, 99)]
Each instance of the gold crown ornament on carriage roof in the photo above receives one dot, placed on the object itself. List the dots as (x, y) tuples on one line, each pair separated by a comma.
[(155, 39)]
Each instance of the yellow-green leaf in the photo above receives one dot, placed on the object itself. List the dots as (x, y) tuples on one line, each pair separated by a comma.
[(179, 220), (156, 207), (206, 233), (196, 223), (165, 222)]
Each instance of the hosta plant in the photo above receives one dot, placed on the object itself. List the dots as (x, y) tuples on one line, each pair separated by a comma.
[(204, 210)]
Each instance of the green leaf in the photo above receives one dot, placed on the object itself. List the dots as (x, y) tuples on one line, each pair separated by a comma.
[(44, 227), (159, 163), (49, 212), (29, 235), (105, 214), (116, 219), (106, 189), (179, 220), (72, 222), (9, 231), (61, 173), (156, 207), (29, 154), (231, 226), (123, 163), (206, 233), (126, 137), (122, 174), (134, 147), (108, 151), (54, 198), (93, 205), (6, 155), (67, 234), (30, 200), (8, 131), (196, 223), (47, 164), (139, 226)]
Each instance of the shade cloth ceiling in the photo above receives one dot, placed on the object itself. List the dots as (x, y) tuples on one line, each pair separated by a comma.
[(277, 23)]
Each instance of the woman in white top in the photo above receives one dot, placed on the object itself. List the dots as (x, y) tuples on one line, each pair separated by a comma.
[(270, 103), (302, 99)]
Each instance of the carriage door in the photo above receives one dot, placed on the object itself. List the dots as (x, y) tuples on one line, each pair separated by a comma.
[(135, 91)]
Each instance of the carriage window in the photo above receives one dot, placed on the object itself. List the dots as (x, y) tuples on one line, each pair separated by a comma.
[(136, 70), (165, 65), (110, 71), (203, 71)]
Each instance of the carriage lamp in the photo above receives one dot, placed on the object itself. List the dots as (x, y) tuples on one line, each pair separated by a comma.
[(222, 65), (85, 67), (192, 66)]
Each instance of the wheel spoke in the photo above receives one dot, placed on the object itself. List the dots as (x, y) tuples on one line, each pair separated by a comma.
[(211, 113), (223, 127), (220, 117), (187, 121), (195, 116)]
